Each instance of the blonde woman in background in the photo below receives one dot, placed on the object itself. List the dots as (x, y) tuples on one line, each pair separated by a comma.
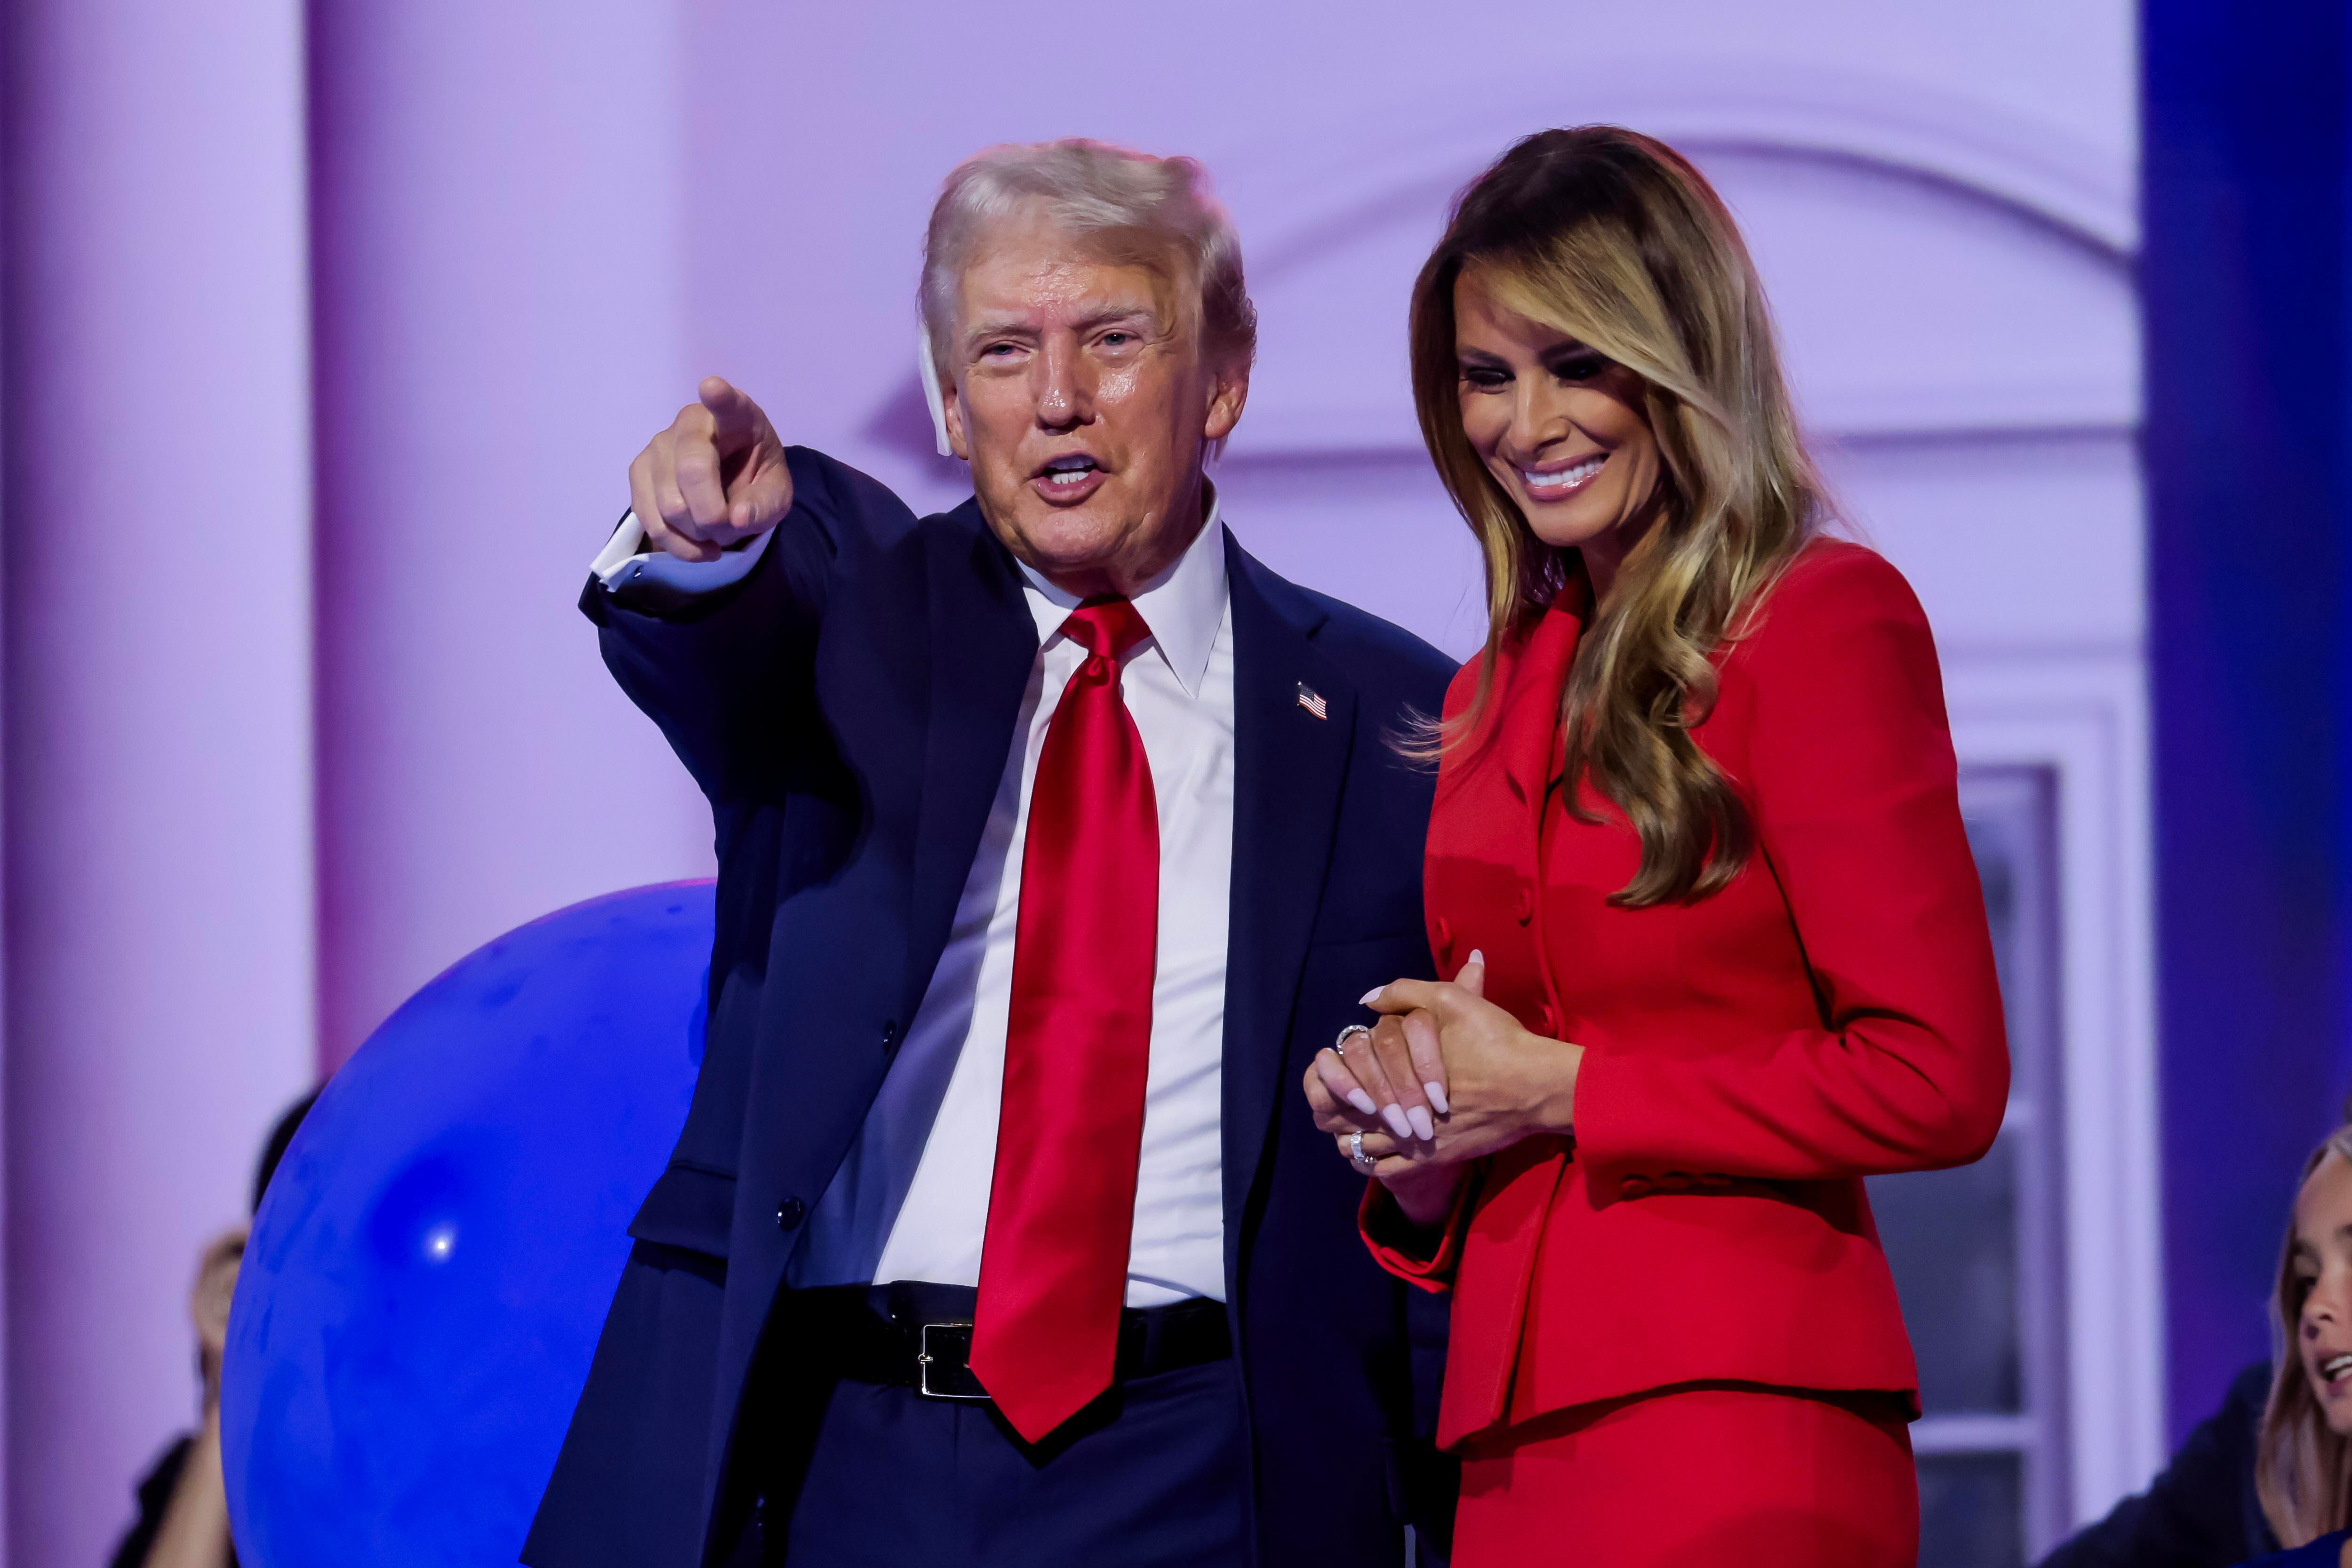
[(2304, 1465)]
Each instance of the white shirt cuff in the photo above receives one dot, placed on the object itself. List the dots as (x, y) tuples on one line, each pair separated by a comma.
[(624, 562)]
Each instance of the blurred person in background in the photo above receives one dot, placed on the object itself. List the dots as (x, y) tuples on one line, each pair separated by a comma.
[(1696, 867), (2303, 1462), (2203, 1510), (2271, 1465), (183, 1501), (1047, 826)]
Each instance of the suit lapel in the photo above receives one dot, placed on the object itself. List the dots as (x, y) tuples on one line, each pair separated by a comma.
[(984, 646), (1288, 765)]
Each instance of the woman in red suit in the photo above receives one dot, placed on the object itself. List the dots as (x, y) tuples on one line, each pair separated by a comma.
[(1697, 869)]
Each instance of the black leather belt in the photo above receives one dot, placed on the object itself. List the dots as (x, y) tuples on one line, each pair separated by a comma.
[(918, 1336)]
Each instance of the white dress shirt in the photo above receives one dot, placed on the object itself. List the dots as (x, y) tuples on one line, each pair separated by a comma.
[(910, 1200)]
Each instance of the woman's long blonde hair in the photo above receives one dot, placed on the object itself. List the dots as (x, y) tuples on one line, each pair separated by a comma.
[(2302, 1472), (1615, 239)]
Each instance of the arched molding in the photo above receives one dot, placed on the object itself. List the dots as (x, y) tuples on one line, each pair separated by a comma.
[(1418, 156), (1305, 214)]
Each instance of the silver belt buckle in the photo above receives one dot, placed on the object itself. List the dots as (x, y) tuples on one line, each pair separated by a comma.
[(950, 1367)]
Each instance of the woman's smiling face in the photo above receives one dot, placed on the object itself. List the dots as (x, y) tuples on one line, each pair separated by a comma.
[(1560, 426), (2319, 1260)]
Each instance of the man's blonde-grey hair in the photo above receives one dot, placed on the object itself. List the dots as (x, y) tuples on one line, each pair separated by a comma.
[(1129, 205)]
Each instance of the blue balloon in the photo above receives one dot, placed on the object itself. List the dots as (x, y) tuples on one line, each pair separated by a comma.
[(430, 1271)]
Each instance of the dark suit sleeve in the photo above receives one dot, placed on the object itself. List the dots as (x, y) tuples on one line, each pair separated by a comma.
[(2199, 1513), (631, 1486), (709, 671)]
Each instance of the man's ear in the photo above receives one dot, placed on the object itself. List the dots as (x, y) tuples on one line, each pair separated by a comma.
[(952, 416), (1227, 393), (927, 370)]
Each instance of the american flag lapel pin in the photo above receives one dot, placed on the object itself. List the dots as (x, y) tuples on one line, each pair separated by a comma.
[(1312, 701)]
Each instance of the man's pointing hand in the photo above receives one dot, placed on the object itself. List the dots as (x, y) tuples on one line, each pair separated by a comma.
[(715, 477)]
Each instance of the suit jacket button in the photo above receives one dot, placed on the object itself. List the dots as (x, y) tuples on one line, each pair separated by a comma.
[(1445, 936), (1550, 1021), (891, 1035), (789, 1213), (1524, 908)]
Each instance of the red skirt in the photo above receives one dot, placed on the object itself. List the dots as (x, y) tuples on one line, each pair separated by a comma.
[(1696, 1477)]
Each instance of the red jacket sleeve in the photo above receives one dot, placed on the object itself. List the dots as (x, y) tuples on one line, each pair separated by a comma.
[(1851, 782), (1418, 1258)]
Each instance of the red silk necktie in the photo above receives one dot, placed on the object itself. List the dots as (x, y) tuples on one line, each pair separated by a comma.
[(1077, 1043)]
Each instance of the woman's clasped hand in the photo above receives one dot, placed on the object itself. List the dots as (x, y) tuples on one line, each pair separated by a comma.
[(1444, 1077)]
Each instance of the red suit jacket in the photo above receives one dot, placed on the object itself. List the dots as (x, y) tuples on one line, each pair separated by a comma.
[(1749, 1057)]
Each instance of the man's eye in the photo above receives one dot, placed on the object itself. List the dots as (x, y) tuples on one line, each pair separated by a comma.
[(1117, 339)]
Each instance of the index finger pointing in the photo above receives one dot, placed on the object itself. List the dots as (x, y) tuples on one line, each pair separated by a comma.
[(733, 412)]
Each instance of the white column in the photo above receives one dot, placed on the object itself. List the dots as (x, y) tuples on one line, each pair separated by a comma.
[(157, 577)]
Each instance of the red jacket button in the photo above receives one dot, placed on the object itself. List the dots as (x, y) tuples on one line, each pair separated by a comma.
[(1526, 906), (1445, 936), (1551, 1021)]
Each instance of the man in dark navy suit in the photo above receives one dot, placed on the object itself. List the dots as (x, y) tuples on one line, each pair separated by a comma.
[(1055, 836)]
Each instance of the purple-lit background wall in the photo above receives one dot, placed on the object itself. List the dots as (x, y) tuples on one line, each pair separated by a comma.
[(158, 843), (300, 489)]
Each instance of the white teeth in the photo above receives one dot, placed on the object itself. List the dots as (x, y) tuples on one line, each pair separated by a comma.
[(1068, 476), (2336, 1366), (1567, 479)]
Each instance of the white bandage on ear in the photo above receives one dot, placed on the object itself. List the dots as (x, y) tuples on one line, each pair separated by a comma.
[(929, 374)]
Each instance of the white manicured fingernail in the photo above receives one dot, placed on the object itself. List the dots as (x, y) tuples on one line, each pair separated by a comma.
[(1371, 996), (1394, 1116), (1475, 957), (1423, 1127), (1361, 1101), (1436, 1093)]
